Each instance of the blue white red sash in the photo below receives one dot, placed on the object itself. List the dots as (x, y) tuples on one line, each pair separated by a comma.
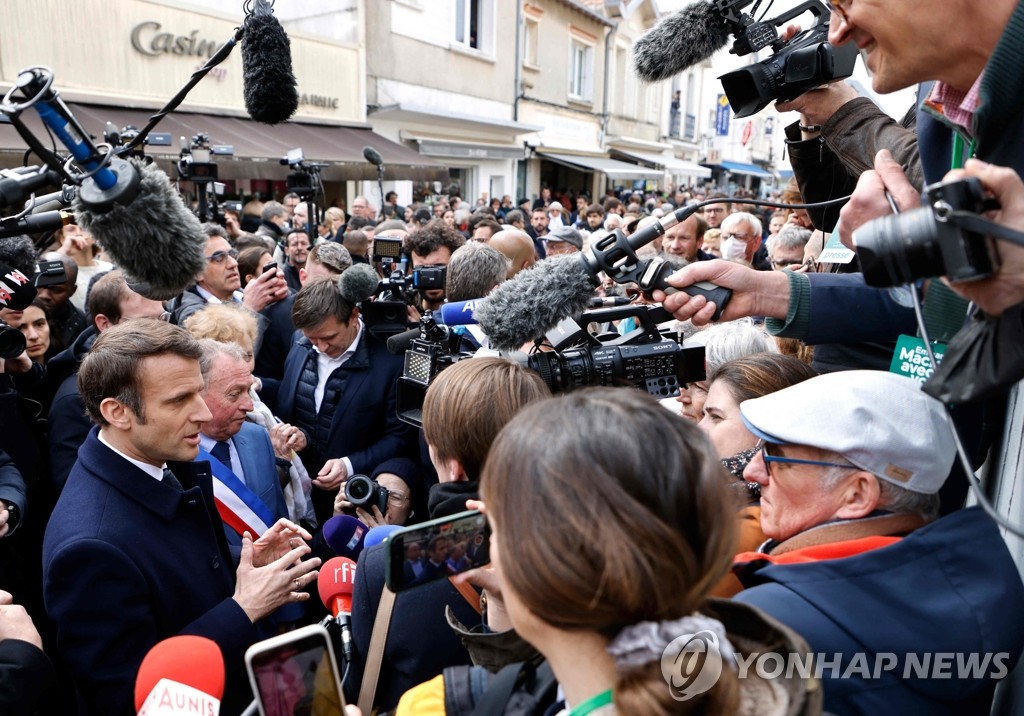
[(239, 507)]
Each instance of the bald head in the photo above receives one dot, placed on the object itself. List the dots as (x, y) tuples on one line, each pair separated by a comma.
[(517, 246)]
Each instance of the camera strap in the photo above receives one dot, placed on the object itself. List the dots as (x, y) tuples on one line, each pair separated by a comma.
[(375, 654)]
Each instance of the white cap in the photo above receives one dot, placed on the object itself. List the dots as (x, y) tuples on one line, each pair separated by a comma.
[(881, 422)]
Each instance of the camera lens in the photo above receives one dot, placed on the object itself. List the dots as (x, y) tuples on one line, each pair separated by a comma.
[(900, 248), (12, 342), (359, 490)]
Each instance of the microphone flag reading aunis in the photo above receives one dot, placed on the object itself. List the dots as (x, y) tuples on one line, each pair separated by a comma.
[(181, 675)]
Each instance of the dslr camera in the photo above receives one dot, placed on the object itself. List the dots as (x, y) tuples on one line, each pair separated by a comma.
[(929, 241), (363, 492), (805, 62)]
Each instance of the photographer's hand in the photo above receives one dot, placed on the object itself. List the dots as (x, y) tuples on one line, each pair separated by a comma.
[(267, 288), (1006, 288), (818, 105), (869, 202)]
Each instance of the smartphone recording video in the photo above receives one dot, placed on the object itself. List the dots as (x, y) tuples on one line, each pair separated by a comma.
[(295, 674), (437, 549)]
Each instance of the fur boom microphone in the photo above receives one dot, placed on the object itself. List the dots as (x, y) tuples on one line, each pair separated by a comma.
[(268, 82), (680, 41), (535, 301), (153, 238), (358, 283)]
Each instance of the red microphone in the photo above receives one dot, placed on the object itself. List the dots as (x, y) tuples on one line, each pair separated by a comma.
[(335, 581), (181, 675)]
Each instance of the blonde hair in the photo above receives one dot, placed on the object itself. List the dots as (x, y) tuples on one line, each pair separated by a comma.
[(223, 322)]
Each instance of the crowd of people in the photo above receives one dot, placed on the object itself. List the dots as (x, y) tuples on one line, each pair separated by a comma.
[(168, 467)]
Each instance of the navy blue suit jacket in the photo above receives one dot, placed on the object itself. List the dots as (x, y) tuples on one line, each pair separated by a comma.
[(129, 561), (365, 428), (257, 455)]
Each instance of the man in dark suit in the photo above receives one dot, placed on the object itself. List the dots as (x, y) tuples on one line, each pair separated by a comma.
[(245, 472), (340, 388), (134, 552)]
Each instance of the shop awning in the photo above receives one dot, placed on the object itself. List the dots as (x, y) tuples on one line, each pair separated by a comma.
[(612, 167), (741, 168), (258, 148), (672, 165)]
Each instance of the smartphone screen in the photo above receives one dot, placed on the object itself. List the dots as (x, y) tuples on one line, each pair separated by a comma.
[(438, 549), (295, 674)]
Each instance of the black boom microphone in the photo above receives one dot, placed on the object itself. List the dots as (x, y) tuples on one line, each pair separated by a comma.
[(373, 156), (269, 86), (680, 41)]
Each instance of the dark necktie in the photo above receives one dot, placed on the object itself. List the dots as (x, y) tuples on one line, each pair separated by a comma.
[(222, 453), (170, 480)]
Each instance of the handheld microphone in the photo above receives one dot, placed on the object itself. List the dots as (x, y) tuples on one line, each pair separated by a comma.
[(680, 41), (378, 534), (345, 535), (16, 289), (334, 583), (460, 313), (181, 675), (268, 83), (373, 156), (35, 223)]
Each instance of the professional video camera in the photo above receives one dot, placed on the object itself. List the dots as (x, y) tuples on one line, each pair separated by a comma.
[(805, 62), (642, 359), (124, 137), (304, 179), (196, 164), (942, 238), (386, 315)]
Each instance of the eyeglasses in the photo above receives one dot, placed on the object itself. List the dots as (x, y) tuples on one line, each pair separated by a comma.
[(397, 497), (713, 210), (741, 237), (787, 264), (219, 257), (769, 459)]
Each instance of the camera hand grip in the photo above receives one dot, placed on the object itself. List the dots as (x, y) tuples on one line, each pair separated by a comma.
[(655, 275), (712, 292)]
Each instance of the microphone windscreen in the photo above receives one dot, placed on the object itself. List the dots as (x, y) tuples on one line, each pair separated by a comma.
[(680, 41), (16, 289), (529, 305), (373, 156), (269, 86), (358, 283), (399, 343), (378, 534), (344, 534), (154, 239), (186, 659), (336, 580), (459, 313)]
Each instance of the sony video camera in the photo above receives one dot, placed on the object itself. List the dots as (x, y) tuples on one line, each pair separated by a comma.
[(805, 62), (642, 359), (304, 178), (929, 241)]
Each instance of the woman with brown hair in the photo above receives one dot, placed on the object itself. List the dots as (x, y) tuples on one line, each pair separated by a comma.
[(605, 554), (729, 385)]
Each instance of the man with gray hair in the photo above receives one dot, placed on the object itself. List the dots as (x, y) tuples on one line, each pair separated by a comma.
[(273, 221), (786, 248), (241, 455), (849, 469), (741, 240), (474, 270)]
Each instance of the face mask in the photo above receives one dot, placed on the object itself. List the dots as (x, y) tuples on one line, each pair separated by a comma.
[(733, 249)]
